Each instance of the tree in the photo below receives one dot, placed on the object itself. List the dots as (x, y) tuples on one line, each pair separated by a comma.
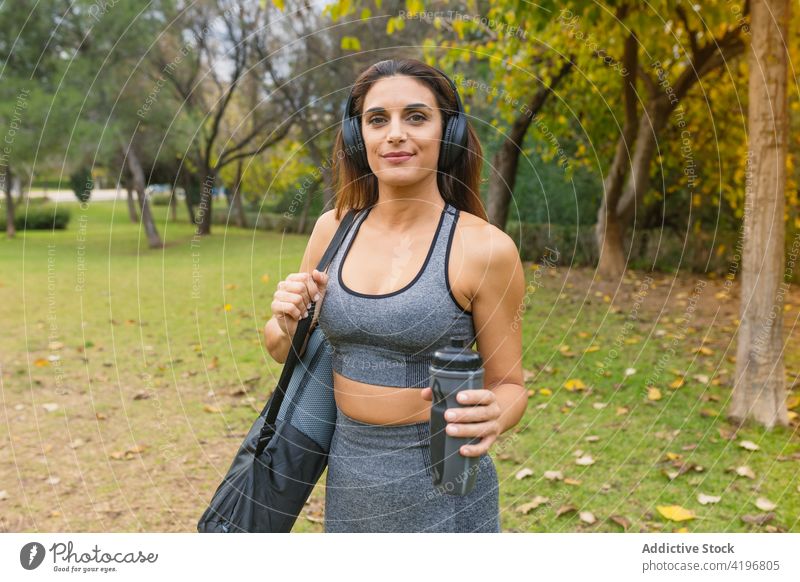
[(759, 391), (206, 73)]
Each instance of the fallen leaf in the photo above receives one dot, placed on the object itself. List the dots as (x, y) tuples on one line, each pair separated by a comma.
[(749, 445), (522, 473), (599, 405), (622, 410), (630, 371), (3, 495), (758, 519), (704, 499), (40, 363), (50, 406), (585, 460), (621, 521), (653, 393), (592, 438), (141, 396), (79, 442), (553, 475), (587, 517), (765, 504), (676, 383), (211, 409), (536, 502), (565, 509), (704, 351), (745, 471), (574, 384), (675, 512), (570, 481), (591, 349)]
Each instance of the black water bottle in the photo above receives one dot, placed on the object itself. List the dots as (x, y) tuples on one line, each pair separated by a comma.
[(454, 368)]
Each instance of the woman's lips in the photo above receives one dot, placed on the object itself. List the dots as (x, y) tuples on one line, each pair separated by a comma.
[(397, 159)]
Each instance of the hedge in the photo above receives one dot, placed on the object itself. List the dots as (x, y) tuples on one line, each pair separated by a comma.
[(37, 217)]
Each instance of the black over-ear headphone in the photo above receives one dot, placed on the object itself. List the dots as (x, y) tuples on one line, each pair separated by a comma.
[(454, 138)]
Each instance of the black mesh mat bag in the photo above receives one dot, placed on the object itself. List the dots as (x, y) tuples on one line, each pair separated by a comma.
[(286, 450)]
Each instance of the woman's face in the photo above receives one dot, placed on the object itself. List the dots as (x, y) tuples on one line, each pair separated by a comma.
[(400, 115)]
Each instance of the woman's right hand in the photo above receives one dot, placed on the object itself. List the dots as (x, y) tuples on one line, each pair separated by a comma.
[(293, 298)]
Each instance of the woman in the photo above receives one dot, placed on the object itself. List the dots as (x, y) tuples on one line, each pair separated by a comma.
[(420, 264)]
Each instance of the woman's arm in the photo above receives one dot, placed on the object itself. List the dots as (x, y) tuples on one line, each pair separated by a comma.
[(497, 306)]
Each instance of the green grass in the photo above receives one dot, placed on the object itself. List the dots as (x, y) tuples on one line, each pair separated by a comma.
[(182, 326)]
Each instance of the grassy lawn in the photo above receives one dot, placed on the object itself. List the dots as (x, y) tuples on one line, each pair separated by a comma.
[(130, 376)]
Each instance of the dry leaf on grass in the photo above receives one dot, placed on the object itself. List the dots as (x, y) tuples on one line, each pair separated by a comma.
[(522, 473), (765, 504), (758, 519), (587, 517), (565, 509), (553, 475), (584, 461), (621, 521), (704, 499), (536, 502), (745, 471), (675, 512), (749, 445)]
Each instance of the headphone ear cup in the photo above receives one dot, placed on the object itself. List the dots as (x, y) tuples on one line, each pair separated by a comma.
[(362, 148), (354, 143), (454, 141)]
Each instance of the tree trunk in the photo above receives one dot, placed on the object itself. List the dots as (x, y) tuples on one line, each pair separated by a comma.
[(11, 230), (506, 160), (301, 223), (132, 214), (608, 230), (137, 173), (236, 199), (187, 196), (759, 390), (173, 204), (206, 203)]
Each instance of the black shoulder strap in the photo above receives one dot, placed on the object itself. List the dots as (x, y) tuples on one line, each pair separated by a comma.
[(303, 328)]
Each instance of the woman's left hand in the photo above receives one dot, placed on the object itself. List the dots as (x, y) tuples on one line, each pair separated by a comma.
[(479, 417)]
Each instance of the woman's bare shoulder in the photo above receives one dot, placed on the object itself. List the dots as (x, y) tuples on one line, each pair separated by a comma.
[(324, 229), (483, 242)]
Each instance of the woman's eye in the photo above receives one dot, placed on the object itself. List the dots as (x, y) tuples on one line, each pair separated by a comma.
[(414, 116)]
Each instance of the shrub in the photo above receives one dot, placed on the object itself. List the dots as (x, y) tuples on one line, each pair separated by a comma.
[(82, 183), (38, 217)]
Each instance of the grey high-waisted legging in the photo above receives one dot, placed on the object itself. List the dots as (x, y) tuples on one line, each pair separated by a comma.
[(379, 480)]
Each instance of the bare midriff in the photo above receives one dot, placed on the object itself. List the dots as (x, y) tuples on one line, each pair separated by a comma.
[(380, 404)]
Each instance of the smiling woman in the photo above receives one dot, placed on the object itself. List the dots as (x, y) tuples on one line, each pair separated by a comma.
[(420, 265)]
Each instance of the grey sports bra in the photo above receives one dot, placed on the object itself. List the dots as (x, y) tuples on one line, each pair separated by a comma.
[(389, 339)]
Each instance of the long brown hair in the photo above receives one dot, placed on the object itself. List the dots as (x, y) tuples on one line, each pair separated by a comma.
[(460, 185)]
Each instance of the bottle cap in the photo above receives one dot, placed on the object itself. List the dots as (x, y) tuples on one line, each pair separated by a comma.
[(457, 355)]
